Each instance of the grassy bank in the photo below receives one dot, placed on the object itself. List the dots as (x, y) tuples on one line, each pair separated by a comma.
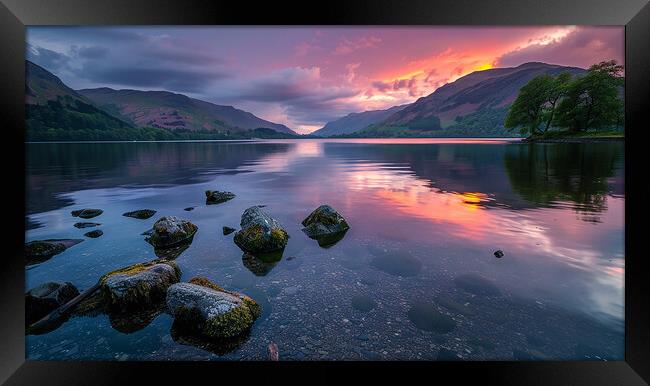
[(580, 136)]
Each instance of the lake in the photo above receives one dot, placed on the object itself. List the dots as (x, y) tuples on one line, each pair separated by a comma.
[(415, 277)]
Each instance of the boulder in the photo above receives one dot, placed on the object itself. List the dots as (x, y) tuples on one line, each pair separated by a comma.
[(41, 250), (47, 297), (498, 254), (170, 231), (260, 233), (217, 197), (81, 225), (139, 286), (204, 308), (228, 230), (94, 234), (86, 213), (325, 222), (141, 214)]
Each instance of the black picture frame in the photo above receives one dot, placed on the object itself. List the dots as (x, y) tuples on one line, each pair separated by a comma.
[(633, 14)]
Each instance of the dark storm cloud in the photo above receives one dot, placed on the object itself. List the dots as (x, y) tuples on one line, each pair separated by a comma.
[(581, 47), (92, 52), (48, 59), (171, 79)]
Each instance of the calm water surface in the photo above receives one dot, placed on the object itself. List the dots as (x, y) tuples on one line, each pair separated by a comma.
[(414, 278)]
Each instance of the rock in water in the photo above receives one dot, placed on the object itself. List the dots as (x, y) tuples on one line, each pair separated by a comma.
[(86, 224), (498, 254), (324, 221), (189, 208), (141, 214), (86, 213), (170, 231), (203, 307), (139, 285), (217, 197), (45, 298), (94, 234), (260, 233), (228, 230), (41, 250)]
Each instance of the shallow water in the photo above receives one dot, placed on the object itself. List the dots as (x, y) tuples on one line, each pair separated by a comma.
[(414, 278)]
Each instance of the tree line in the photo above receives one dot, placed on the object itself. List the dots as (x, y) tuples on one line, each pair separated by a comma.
[(584, 102)]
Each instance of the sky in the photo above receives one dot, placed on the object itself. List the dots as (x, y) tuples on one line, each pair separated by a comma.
[(304, 77)]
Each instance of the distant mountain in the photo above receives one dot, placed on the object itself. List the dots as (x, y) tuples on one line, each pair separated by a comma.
[(475, 104), (50, 105), (172, 111), (355, 122)]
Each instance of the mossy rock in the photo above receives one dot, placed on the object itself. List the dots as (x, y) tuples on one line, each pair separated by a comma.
[(141, 214), (38, 251), (323, 222), (260, 233), (170, 231), (200, 308), (217, 197), (86, 213), (139, 285)]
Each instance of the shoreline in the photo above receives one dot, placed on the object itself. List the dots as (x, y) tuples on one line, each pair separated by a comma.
[(573, 140)]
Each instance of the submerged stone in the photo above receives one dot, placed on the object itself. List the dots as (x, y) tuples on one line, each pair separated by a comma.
[(477, 285), (130, 321), (228, 230), (363, 303), (397, 263), (139, 285), (498, 254), (141, 214), (426, 317), (260, 233), (170, 231), (94, 234), (207, 310), (86, 224), (325, 225), (189, 208), (171, 253), (41, 250), (217, 197), (47, 297), (86, 213)]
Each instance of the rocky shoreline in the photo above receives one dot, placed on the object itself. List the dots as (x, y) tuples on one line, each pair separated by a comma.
[(203, 312)]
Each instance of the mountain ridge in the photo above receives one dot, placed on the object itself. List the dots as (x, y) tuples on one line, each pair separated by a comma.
[(175, 111), (355, 121)]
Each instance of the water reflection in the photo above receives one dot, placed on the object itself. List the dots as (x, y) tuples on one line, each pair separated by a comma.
[(426, 217)]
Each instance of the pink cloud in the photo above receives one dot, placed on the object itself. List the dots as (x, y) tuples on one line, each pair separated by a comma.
[(347, 46)]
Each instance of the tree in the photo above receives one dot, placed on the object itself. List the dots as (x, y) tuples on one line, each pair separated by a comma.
[(592, 101), (534, 108)]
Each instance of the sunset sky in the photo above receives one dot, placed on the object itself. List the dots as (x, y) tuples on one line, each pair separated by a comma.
[(305, 77)]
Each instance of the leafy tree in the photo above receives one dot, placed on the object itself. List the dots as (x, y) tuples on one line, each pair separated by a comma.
[(592, 101), (536, 103)]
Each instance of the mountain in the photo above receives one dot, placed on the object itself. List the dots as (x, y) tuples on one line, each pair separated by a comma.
[(355, 122), (52, 106), (167, 110), (475, 104)]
